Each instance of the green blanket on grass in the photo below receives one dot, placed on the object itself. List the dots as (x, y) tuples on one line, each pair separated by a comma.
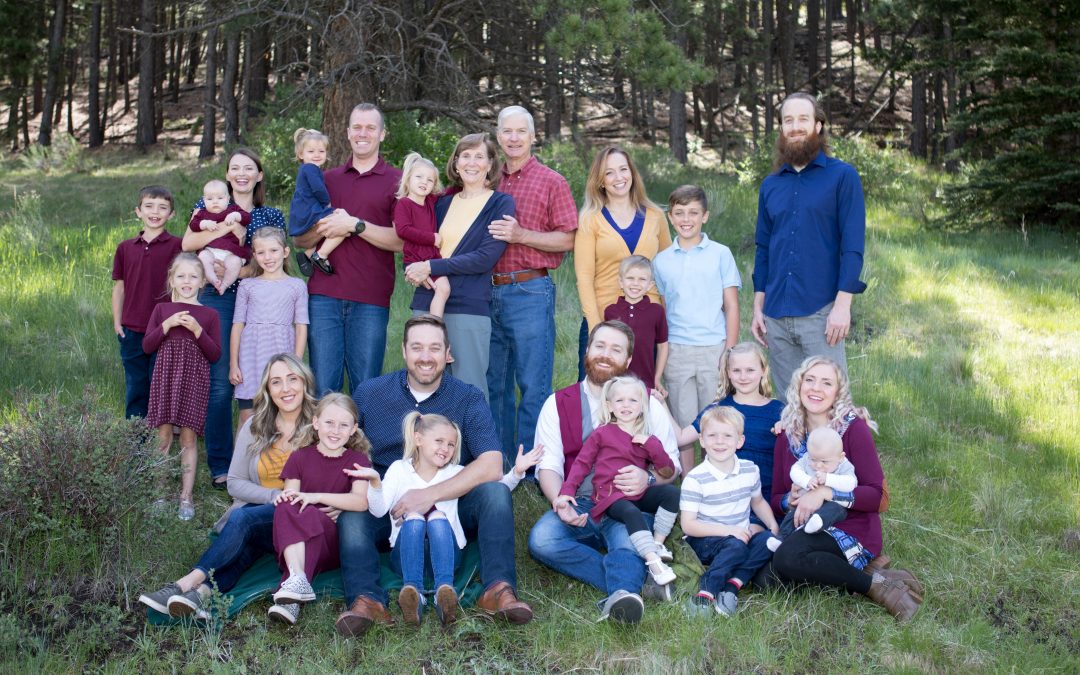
[(262, 579)]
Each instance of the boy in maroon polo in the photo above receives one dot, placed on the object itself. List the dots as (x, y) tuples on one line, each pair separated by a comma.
[(646, 318), (140, 266)]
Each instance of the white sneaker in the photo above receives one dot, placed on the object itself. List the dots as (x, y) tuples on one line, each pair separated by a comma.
[(813, 524), (286, 613), (773, 543), (664, 552), (294, 589), (660, 572), (187, 509)]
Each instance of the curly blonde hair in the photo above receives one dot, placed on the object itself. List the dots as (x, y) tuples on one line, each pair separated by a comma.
[(793, 418)]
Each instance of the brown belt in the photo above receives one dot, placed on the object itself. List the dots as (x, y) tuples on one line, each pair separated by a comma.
[(518, 277)]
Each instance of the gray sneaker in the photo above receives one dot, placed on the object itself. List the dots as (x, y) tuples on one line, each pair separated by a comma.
[(294, 589), (286, 613), (159, 599), (186, 604), (622, 606), (727, 603), (651, 590)]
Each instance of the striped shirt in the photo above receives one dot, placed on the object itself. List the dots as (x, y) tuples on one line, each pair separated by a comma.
[(721, 498)]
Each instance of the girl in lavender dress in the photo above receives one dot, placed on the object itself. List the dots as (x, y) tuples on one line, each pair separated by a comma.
[(271, 316)]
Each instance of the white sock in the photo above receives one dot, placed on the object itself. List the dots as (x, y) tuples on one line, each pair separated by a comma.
[(814, 524), (773, 543)]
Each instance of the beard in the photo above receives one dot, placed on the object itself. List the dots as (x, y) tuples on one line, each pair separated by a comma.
[(799, 152), (598, 376)]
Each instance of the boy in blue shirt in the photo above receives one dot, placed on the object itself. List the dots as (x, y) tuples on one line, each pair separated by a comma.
[(700, 284)]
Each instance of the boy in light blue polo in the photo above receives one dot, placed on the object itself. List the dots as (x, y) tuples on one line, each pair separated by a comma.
[(700, 284)]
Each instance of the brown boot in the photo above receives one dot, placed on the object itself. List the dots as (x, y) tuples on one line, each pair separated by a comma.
[(894, 596), (915, 587), (882, 562), (501, 602), (356, 620), (446, 604)]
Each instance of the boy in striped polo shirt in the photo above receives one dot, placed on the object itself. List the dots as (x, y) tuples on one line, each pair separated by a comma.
[(717, 496)]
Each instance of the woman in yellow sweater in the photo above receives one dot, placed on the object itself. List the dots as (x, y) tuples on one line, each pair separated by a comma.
[(617, 220)]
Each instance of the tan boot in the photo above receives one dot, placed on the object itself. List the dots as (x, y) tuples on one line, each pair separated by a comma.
[(894, 596), (364, 612), (882, 562), (915, 587), (501, 602)]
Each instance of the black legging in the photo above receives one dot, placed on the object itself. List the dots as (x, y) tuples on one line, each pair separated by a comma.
[(817, 559), (629, 512)]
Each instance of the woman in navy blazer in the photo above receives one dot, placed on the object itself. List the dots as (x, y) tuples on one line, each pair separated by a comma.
[(469, 254)]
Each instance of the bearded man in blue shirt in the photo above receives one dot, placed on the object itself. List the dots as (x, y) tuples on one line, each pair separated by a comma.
[(811, 228)]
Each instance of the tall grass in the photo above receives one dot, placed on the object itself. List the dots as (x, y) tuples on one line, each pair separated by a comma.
[(963, 347)]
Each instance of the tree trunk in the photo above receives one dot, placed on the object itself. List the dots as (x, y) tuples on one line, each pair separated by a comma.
[(553, 95), (767, 32), (93, 103), (787, 63), (228, 87), (159, 73), (72, 73), (677, 97), (206, 147), (813, 29), (53, 67), (918, 114), (829, 9), (342, 45), (258, 59), (146, 131), (110, 69), (193, 50)]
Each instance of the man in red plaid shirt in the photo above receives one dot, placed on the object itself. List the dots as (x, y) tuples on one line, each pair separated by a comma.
[(523, 295)]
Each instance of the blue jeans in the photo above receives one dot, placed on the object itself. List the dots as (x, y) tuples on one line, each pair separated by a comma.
[(248, 534), (522, 354), (219, 428), (792, 339), (426, 545), (583, 344), (345, 337), (486, 514), (138, 369), (575, 551), (729, 558)]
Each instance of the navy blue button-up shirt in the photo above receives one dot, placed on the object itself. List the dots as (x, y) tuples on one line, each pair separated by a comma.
[(384, 402), (811, 228)]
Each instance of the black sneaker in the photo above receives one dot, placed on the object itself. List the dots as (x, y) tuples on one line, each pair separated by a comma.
[(322, 263), (622, 606), (305, 264)]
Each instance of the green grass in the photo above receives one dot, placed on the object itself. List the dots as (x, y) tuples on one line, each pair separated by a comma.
[(965, 349)]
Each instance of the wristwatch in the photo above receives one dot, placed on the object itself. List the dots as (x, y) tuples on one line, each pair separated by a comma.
[(652, 480), (359, 227)]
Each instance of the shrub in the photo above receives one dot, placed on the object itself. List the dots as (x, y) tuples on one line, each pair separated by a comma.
[(78, 478), (23, 228)]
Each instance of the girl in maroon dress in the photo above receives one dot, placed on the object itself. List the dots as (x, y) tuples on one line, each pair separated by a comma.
[(414, 222), (623, 441), (187, 339), (306, 538)]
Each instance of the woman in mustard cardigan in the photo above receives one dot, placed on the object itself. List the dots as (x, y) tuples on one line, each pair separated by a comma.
[(617, 220)]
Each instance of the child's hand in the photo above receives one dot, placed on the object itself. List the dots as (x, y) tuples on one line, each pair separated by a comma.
[(563, 500), (658, 392), (364, 473), (812, 483), (191, 323), (438, 240), (304, 499), (742, 534), (235, 376), (174, 320), (233, 217), (526, 461), (821, 477), (775, 529), (207, 225), (429, 284), (118, 329), (283, 496), (640, 439), (777, 428)]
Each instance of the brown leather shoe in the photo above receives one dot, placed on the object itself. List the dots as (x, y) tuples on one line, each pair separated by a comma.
[(356, 620), (882, 562), (446, 604), (500, 601), (894, 596), (915, 587)]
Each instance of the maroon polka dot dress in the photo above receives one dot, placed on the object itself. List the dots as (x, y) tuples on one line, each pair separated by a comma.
[(180, 386)]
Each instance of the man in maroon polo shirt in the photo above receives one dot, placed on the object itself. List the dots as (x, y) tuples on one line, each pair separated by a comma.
[(349, 309), (523, 295)]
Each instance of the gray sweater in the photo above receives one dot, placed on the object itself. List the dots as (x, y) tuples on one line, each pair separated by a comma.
[(244, 486)]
